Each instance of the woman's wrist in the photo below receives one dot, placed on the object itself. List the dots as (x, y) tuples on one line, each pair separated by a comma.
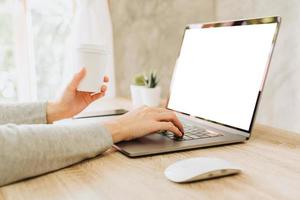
[(115, 129), (54, 112)]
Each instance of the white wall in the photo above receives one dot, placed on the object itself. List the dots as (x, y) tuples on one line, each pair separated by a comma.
[(280, 106)]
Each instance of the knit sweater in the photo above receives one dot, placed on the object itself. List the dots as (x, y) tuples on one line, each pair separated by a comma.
[(30, 147)]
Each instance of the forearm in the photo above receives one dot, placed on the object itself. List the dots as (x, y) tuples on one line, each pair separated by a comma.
[(31, 150), (23, 113)]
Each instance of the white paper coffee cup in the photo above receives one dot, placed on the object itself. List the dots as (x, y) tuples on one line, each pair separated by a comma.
[(94, 59)]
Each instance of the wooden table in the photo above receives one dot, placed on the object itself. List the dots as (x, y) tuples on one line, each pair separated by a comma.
[(270, 162)]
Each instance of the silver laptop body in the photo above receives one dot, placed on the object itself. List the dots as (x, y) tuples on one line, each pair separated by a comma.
[(216, 85)]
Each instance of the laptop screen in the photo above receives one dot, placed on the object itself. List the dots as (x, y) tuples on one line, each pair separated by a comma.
[(221, 69)]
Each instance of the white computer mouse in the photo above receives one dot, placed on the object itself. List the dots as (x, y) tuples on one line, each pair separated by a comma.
[(200, 168)]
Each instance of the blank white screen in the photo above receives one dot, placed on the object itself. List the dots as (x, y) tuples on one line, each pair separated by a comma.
[(220, 71)]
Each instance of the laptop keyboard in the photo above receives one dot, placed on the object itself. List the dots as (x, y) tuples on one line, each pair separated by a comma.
[(192, 132)]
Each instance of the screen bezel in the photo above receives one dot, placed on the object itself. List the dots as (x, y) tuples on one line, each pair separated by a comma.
[(240, 22)]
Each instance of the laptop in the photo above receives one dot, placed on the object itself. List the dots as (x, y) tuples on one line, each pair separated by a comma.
[(216, 85)]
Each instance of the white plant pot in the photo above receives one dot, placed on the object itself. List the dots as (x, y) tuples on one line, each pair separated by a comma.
[(136, 95), (151, 96)]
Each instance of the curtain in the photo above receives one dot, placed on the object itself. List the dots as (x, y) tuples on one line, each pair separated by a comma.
[(23, 49)]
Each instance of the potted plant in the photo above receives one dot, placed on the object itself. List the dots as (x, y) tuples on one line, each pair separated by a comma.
[(135, 88), (151, 91), (145, 90)]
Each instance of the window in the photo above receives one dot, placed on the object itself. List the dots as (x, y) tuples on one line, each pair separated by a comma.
[(35, 46), (51, 26), (7, 66)]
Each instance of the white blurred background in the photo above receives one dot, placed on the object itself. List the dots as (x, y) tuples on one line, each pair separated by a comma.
[(49, 29), (35, 48)]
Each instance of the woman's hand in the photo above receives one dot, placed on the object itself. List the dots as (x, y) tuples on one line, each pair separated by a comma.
[(72, 101), (144, 121)]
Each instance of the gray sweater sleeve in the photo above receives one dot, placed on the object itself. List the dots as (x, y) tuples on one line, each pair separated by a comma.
[(31, 150), (23, 113)]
